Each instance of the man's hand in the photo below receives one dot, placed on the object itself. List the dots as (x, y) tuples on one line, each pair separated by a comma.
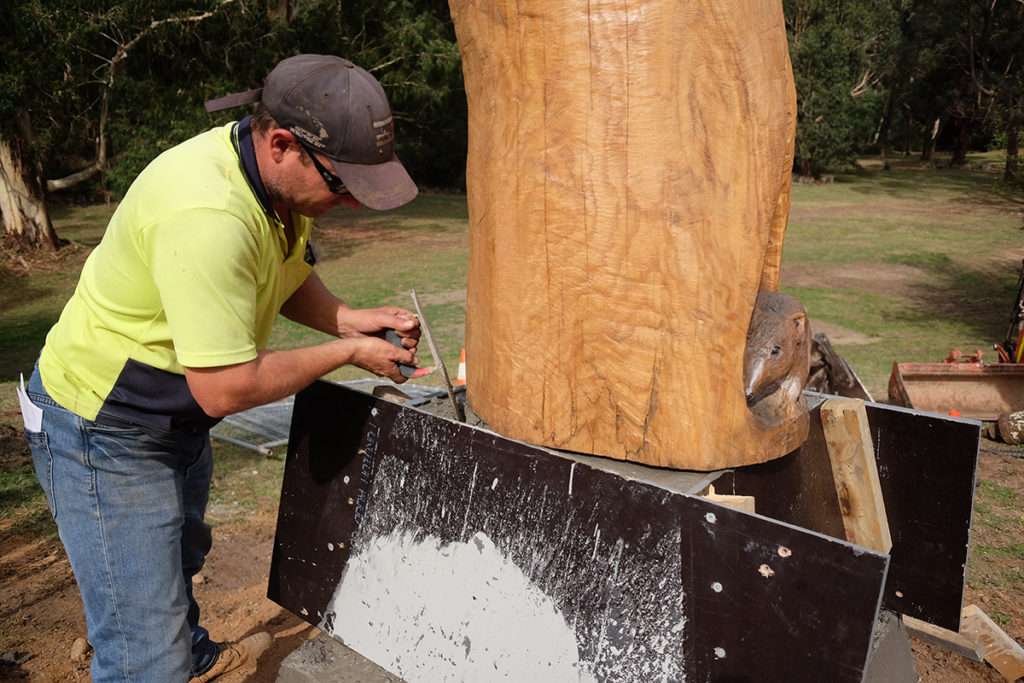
[(382, 358), (314, 306), (376, 321), (272, 375)]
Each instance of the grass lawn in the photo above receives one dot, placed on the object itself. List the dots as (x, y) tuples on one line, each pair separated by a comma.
[(913, 261)]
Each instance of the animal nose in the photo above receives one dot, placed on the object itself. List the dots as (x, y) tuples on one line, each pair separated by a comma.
[(750, 396)]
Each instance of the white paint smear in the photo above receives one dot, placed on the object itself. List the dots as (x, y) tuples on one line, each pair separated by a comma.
[(429, 611)]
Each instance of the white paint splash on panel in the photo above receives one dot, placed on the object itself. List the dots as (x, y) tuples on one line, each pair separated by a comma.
[(430, 611)]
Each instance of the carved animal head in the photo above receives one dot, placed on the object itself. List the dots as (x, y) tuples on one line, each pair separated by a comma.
[(778, 352)]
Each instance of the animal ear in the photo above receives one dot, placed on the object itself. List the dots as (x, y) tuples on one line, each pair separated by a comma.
[(799, 321)]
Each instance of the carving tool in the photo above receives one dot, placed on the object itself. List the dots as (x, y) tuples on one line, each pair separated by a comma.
[(459, 412)]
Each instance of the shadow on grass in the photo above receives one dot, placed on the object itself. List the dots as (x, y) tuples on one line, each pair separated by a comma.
[(34, 521), (22, 341), (973, 186), (332, 243), (341, 233), (426, 210), (979, 299), (19, 487), (22, 501), (29, 313)]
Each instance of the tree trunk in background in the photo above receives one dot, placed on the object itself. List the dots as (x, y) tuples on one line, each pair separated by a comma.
[(1012, 167), (930, 135), (885, 129), (628, 183), (23, 202), (963, 137)]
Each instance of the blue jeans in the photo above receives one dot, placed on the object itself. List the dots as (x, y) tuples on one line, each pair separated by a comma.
[(129, 508)]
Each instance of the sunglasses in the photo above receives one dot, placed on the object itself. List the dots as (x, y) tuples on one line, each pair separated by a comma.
[(334, 183)]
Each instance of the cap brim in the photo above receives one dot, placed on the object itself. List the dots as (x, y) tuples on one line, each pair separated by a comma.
[(378, 186)]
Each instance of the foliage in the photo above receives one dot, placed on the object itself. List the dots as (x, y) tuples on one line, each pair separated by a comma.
[(870, 74), (410, 47), (964, 75), (148, 66), (905, 73), (834, 47)]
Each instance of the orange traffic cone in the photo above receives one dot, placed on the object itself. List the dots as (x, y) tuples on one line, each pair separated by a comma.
[(460, 379)]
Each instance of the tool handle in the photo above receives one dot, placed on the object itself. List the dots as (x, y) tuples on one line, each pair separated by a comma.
[(406, 370)]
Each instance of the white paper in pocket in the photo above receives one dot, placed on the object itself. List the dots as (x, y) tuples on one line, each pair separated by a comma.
[(30, 412)]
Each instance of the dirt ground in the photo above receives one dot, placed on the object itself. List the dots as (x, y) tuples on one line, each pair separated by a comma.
[(41, 612)]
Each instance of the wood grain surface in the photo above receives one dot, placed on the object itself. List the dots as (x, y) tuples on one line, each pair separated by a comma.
[(628, 180)]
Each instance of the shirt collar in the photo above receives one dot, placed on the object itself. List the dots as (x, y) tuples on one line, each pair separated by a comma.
[(241, 139)]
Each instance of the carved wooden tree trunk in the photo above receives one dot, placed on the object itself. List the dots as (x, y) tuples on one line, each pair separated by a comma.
[(628, 178)]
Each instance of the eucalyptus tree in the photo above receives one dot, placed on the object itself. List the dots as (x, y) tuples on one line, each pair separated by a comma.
[(956, 75), (68, 92), (982, 66), (837, 48)]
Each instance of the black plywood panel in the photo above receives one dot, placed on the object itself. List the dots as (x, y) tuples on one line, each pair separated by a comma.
[(652, 588), (797, 488), (773, 602), (926, 469)]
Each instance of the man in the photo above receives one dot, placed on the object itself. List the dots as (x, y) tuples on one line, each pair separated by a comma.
[(166, 333)]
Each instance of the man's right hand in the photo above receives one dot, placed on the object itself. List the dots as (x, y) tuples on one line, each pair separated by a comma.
[(380, 357), (273, 375)]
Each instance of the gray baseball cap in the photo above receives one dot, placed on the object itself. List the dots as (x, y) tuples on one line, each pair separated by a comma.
[(337, 108)]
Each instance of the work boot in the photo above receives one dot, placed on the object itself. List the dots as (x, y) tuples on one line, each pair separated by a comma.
[(234, 655)]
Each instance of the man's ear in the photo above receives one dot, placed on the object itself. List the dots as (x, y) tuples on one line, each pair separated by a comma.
[(279, 141)]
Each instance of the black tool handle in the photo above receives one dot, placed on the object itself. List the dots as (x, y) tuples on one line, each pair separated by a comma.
[(406, 370)]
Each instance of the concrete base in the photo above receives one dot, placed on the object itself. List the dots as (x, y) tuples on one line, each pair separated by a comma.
[(323, 659), (891, 660)]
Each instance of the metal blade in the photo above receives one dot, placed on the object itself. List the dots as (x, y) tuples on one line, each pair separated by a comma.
[(437, 356)]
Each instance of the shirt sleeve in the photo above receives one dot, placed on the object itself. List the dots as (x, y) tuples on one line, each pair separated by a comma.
[(205, 265)]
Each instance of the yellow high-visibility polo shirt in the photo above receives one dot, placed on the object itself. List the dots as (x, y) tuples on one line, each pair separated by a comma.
[(191, 271)]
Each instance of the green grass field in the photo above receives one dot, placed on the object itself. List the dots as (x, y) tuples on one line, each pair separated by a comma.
[(916, 261)]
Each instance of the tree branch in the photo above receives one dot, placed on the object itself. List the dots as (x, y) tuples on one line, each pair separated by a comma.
[(73, 179), (121, 53), (861, 87)]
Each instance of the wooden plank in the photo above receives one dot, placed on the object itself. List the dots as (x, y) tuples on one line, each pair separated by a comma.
[(652, 584), (1001, 651), (944, 638), (852, 455), (745, 503)]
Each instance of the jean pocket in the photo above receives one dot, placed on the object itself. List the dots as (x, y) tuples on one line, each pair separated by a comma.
[(128, 431), (42, 459), (40, 399)]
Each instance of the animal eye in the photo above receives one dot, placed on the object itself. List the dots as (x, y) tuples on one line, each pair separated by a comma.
[(776, 350)]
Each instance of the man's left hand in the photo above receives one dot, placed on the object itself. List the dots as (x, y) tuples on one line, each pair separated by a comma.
[(376, 321)]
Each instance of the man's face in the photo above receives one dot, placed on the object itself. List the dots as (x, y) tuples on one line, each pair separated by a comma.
[(297, 184)]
